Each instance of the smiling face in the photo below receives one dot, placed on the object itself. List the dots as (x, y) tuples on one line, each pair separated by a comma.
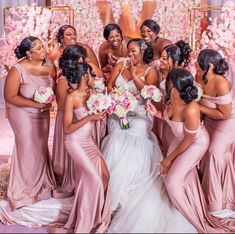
[(115, 38), (166, 64), (147, 34), (69, 37), (37, 51), (134, 52)]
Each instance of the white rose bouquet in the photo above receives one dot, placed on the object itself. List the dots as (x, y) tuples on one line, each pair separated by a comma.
[(98, 102), (151, 92), (44, 95)]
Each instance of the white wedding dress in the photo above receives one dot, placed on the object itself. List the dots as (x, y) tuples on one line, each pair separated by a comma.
[(139, 201)]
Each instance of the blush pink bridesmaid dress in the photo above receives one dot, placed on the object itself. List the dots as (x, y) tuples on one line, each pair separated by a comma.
[(91, 207), (182, 181), (62, 163), (160, 128), (219, 163), (31, 175)]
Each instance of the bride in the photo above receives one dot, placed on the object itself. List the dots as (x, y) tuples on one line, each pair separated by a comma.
[(139, 200)]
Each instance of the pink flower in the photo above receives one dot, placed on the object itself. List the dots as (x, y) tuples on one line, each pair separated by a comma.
[(51, 99)]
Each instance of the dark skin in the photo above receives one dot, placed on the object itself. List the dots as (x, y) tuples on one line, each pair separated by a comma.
[(134, 70), (116, 45), (77, 99), (152, 39), (33, 64), (217, 86), (70, 38), (178, 111)]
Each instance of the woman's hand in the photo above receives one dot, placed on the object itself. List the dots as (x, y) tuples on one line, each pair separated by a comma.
[(44, 106), (131, 68), (107, 68), (151, 108), (99, 116), (165, 165)]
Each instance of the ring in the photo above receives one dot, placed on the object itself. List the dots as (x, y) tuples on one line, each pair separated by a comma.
[(41, 110)]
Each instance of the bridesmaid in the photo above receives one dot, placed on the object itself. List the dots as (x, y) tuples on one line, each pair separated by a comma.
[(91, 208), (31, 175), (67, 35), (186, 150), (149, 31), (113, 49), (62, 163), (218, 107), (176, 55)]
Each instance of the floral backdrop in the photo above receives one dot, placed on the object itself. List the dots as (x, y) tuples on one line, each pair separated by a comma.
[(173, 17)]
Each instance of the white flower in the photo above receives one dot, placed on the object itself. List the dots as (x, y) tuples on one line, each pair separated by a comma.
[(151, 92), (98, 102), (99, 84), (120, 111), (44, 95), (199, 93)]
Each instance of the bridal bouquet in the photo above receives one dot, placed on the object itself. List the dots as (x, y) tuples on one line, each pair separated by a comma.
[(99, 85), (98, 102), (44, 95), (123, 102), (151, 92)]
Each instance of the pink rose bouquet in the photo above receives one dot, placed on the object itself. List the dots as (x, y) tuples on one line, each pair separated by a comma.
[(123, 102)]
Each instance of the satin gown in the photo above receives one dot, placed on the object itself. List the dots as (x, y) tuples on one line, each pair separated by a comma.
[(139, 201), (91, 207), (31, 174), (112, 61), (62, 163), (219, 163), (182, 181), (160, 128)]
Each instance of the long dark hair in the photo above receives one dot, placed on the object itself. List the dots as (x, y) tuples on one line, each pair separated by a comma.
[(24, 46), (210, 56), (148, 50), (182, 80)]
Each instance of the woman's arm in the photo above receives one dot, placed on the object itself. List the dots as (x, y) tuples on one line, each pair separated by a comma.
[(96, 70), (11, 92), (150, 79), (153, 110), (192, 121), (103, 55), (113, 76), (91, 57), (61, 93), (69, 125), (221, 111)]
